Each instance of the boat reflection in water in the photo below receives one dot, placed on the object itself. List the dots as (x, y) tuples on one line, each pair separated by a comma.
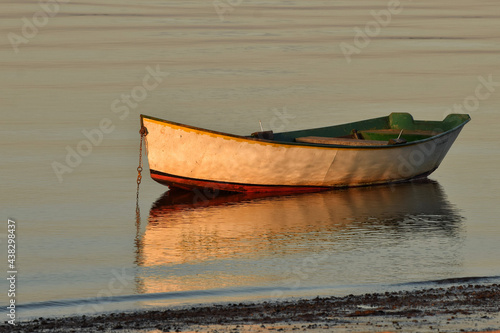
[(369, 235)]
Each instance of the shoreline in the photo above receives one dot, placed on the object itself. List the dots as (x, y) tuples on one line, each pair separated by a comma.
[(466, 308)]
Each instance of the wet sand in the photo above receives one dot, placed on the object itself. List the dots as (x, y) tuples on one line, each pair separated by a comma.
[(460, 308)]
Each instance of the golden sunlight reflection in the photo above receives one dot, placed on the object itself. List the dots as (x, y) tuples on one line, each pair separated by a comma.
[(200, 241)]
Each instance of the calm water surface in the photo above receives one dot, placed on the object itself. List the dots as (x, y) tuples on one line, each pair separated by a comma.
[(79, 241)]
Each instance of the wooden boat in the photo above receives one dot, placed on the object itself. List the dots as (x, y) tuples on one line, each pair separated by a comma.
[(388, 149)]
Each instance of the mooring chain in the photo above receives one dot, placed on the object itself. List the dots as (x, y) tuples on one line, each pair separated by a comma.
[(143, 132)]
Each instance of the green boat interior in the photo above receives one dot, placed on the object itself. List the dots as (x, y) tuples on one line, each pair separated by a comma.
[(397, 128)]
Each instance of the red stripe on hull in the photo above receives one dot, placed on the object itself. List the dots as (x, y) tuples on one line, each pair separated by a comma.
[(190, 184)]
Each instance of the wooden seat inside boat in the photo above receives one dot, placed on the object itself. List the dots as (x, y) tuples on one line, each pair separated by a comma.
[(393, 131), (374, 137), (341, 141)]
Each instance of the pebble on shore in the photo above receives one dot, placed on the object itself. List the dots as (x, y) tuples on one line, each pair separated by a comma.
[(461, 308)]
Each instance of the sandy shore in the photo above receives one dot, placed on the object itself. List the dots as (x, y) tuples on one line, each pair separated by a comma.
[(462, 308)]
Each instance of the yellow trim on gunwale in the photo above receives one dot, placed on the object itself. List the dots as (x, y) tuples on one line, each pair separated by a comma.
[(231, 137), (240, 138)]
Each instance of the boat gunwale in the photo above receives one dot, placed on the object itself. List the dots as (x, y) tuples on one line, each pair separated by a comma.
[(300, 144)]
